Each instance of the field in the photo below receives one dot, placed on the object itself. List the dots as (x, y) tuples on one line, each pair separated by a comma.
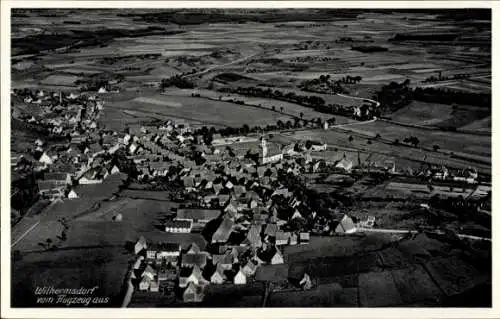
[(377, 289), (214, 112), (454, 276), (421, 113), (428, 138)]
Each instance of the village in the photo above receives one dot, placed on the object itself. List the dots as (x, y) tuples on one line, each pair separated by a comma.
[(242, 195)]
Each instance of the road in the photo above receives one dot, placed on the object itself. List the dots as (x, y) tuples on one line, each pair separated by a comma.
[(359, 98), (25, 233), (210, 69)]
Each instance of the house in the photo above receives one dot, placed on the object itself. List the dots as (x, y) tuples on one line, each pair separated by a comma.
[(225, 261), (193, 293), (59, 178), (51, 189), (271, 255), (115, 170), (194, 260), (102, 90), (45, 159), (304, 237), (166, 250), (240, 278), (167, 273), (277, 258), (145, 283), (305, 283), (72, 194), (149, 272), (345, 226), (178, 226), (193, 249), (296, 214), (154, 286), (89, 178), (344, 164), (282, 238), (218, 276), (250, 268), (253, 238), (140, 245), (223, 232), (271, 230), (318, 147), (199, 217), (189, 275), (293, 239)]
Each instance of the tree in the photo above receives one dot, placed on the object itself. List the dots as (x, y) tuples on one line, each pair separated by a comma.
[(436, 147), (415, 141), (308, 144), (273, 108), (378, 135), (396, 142), (16, 255), (351, 138), (48, 242), (281, 109), (301, 115)]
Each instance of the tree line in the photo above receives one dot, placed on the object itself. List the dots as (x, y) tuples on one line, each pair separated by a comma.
[(398, 95)]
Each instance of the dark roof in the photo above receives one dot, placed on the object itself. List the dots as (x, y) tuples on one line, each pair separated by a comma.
[(272, 273), (165, 247), (271, 229), (48, 185), (199, 260), (267, 255), (205, 214), (55, 176)]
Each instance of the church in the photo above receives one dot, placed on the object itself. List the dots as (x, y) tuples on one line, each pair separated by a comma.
[(271, 153)]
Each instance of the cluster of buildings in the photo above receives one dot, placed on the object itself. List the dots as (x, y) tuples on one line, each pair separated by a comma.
[(80, 156)]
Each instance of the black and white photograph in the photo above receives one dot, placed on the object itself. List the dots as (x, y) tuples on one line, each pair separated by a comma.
[(249, 157)]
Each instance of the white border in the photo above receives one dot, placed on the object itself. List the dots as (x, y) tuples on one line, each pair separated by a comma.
[(7, 312)]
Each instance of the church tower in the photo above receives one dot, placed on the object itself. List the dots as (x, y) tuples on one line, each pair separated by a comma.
[(263, 144)]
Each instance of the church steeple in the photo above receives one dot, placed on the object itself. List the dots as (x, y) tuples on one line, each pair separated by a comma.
[(263, 144)]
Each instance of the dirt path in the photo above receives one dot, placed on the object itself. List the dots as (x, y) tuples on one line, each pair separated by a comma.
[(408, 231)]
